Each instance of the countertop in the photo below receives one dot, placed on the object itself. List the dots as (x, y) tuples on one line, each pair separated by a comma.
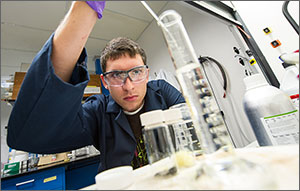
[(270, 168), (30, 166)]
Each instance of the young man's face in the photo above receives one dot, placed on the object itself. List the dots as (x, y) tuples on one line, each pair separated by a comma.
[(130, 95)]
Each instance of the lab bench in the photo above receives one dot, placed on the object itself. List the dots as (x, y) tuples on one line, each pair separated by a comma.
[(65, 175), (281, 164)]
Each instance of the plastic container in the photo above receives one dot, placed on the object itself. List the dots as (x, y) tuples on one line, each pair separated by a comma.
[(158, 143), (271, 113), (181, 137), (117, 178), (290, 84)]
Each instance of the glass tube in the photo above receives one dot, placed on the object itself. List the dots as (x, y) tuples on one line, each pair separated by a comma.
[(206, 116)]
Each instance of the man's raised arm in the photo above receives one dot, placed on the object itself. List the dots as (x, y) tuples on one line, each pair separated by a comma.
[(71, 36)]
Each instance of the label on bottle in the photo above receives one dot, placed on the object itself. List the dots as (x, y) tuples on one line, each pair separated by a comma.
[(282, 129)]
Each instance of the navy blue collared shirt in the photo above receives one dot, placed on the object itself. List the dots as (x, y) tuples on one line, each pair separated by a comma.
[(48, 116)]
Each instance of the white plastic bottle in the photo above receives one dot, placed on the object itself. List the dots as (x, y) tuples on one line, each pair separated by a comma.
[(273, 118), (290, 83)]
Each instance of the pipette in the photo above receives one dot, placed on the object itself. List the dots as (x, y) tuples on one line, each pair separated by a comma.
[(152, 13)]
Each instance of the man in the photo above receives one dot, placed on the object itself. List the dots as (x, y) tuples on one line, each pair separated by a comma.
[(48, 116)]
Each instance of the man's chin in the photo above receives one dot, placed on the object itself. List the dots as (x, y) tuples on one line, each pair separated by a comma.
[(131, 108)]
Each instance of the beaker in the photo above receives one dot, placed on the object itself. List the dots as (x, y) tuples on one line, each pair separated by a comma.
[(181, 138), (208, 121), (189, 127)]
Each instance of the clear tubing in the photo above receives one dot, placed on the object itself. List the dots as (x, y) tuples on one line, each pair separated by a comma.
[(207, 119)]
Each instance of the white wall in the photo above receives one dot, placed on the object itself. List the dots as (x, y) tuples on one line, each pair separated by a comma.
[(210, 37), (258, 15)]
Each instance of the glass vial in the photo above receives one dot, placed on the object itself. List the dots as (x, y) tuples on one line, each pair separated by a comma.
[(158, 143)]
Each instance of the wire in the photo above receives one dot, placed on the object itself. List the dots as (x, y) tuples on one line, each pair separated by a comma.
[(202, 60)]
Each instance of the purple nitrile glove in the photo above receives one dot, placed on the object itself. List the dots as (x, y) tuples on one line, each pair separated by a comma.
[(98, 6)]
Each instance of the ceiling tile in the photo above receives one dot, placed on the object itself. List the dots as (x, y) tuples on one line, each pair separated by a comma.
[(38, 14), (113, 25), (14, 37), (94, 47), (135, 9)]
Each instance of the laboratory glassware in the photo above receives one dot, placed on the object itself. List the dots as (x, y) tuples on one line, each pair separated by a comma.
[(181, 137), (208, 121), (158, 143), (189, 126)]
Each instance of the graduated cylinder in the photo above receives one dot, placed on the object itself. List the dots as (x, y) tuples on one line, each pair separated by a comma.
[(208, 122)]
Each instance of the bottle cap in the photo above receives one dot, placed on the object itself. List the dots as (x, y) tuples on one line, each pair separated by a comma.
[(172, 114), (254, 81), (185, 112), (152, 117)]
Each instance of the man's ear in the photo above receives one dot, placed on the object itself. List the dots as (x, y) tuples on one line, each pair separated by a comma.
[(103, 81), (148, 74)]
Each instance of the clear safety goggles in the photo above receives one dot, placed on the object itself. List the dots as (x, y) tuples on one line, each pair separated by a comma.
[(117, 78)]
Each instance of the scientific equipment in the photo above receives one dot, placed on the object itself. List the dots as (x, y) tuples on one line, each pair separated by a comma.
[(232, 173), (186, 117), (158, 143), (208, 121), (290, 83), (247, 63), (181, 137), (273, 118)]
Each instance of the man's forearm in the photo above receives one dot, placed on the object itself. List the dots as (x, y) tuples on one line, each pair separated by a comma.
[(70, 38)]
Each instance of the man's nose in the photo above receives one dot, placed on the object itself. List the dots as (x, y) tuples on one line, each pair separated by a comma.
[(128, 85)]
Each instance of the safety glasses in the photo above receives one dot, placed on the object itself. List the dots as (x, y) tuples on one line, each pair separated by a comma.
[(117, 78)]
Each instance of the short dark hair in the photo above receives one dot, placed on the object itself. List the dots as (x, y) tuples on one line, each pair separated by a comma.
[(118, 47)]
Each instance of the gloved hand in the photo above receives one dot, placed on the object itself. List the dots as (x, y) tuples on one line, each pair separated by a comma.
[(98, 6)]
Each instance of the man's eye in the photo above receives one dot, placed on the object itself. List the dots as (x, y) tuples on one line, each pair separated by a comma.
[(136, 72), (117, 74)]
